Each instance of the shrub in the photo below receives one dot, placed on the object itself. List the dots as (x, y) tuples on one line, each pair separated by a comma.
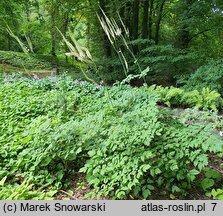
[(204, 99), (192, 99), (209, 75), (170, 96), (138, 149), (167, 63)]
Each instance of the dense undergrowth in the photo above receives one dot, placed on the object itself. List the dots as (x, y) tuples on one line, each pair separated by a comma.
[(207, 75), (205, 98), (23, 61), (118, 136)]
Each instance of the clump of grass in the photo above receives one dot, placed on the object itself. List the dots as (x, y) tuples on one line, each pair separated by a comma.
[(118, 37), (78, 51)]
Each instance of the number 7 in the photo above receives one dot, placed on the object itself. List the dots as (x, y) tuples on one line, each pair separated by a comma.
[(214, 205)]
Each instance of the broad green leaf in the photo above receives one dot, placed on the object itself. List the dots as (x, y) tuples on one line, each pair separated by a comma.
[(3, 181), (207, 183)]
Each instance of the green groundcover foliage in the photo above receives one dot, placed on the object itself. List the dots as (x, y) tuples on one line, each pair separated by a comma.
[(22, 60), (118, 136)]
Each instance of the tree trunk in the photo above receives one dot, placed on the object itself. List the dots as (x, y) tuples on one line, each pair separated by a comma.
[(53, 44), (184, 38), (135, 24), (53, 33), (128, 17), (122, 10), (54, 13), (135, 20), (66, 23), (160, 14), (150, 19), (145, 29), (184, 33)]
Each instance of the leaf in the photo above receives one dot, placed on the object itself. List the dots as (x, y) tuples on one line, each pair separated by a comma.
[(160, 181), (217, 194), (3, 181), (210, 173), (78, 150), (148, 154), (175, 189), (172, 197), (191, 175), (120, 194), (145, 167), (92, 153), (150, 187), (51, 193), (194, 172), (207, 183), (146, 193), (157, 171), (219, 197), (136, 190), (46, 161), (60, 175)]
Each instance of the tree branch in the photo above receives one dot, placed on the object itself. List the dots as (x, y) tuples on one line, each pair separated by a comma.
[(199, 33)]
